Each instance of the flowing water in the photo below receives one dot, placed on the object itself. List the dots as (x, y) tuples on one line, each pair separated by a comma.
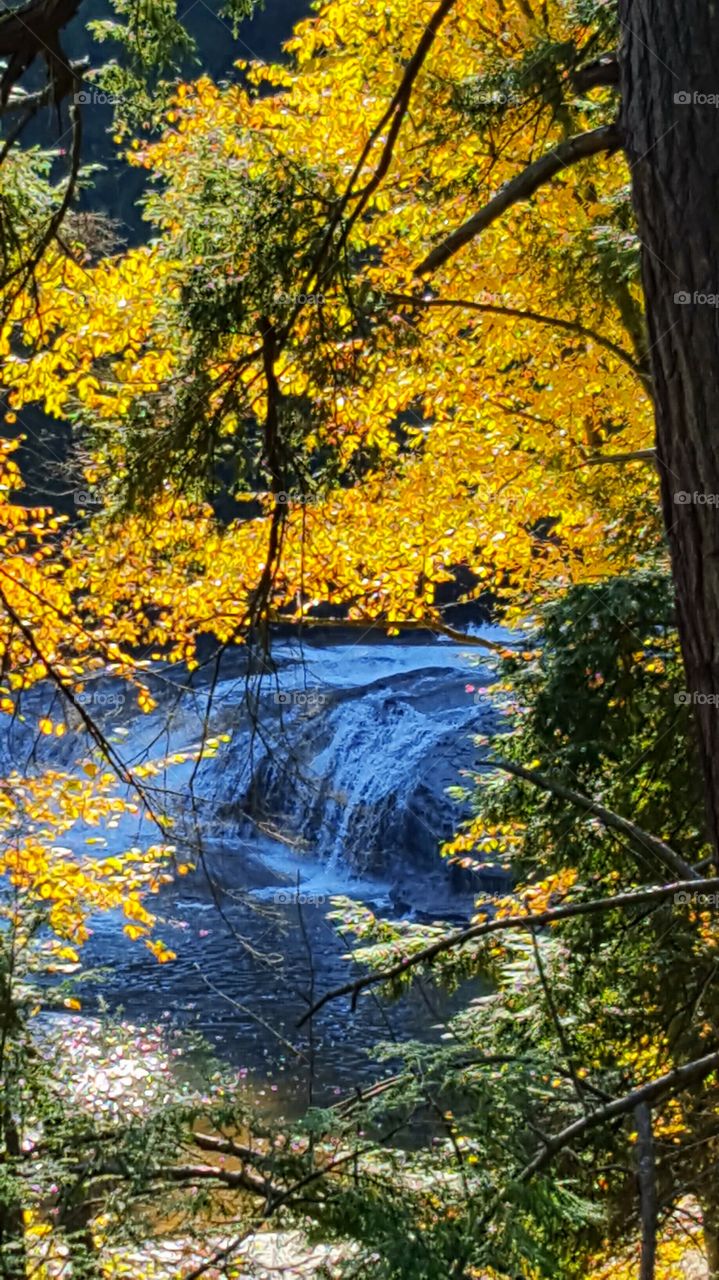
[(331, 781)]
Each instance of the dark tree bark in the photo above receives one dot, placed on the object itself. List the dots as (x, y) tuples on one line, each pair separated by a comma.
[(669, 63), (12, 1226), (30, 31), (710, 1218), (647, 1179)]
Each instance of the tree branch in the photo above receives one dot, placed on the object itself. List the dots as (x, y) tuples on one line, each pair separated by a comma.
[(666, 855), (393, 116), (616, 459), (434, 626), (31, 31), (52, 92), (396, 112), (655, 1090), (537, 317), (228, 1147), (608, 139), (601, 73), (449, 941), (237, 1179)]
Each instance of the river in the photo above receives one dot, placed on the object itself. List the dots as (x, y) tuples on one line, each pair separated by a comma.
[(331, 781)]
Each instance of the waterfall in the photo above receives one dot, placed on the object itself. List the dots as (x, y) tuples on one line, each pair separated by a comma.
[(338, 759)]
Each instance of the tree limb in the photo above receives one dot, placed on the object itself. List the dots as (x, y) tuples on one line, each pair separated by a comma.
[(666, 855), (396, 112), (434, 626), (237, 1179), (31, 31), (615, 459), (608, 139), (537, 317), (602, 73), (449, 941), (393, 116), (52, 92), (228, 1147), (655, 1090)]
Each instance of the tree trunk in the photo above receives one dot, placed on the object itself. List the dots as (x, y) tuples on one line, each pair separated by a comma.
[(669, 76), (12, 1226), (710, 1216)]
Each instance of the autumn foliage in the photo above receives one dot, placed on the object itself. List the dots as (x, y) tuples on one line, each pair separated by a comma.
[(361, 363)]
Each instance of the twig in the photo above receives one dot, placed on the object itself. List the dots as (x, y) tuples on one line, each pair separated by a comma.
[(653, 1091), (535, 317)]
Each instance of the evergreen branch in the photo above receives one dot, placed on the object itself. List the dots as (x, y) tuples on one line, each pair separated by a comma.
[(645, 1095), (655, 894)]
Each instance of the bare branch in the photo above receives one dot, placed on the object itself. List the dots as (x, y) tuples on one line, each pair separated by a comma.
[(654, 1091), (434, 626), (238, 1179), (395, 113), (393, 116), (607, 139), (616, 459), (31, 31), (53, 91)]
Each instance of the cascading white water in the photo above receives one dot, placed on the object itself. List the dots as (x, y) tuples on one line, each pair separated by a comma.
[(356, 749), (344, 763), (371, 770), (339, 788)]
